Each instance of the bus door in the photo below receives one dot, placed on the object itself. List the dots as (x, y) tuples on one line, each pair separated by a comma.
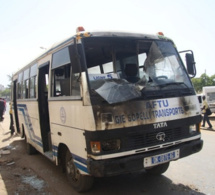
[(15, 107), (43, 86)]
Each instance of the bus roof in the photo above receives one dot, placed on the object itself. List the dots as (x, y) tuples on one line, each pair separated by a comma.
[(105, 34), (85, 34)]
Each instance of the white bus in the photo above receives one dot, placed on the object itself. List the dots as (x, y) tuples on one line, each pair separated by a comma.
[(209, 92), (107, 103)]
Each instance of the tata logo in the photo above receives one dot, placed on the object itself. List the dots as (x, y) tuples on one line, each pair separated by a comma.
[(160, 125), (161, 136)]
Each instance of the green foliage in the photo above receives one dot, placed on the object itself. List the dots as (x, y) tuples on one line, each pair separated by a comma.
[(203, 80), (5, 93)]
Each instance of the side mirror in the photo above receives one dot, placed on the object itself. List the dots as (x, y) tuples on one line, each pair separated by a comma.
[(190, 62), (191, 69)]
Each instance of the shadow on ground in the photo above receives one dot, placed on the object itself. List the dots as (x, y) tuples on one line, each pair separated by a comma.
[(141, 183)]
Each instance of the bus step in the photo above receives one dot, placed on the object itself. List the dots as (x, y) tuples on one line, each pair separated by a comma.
[(49, 154)]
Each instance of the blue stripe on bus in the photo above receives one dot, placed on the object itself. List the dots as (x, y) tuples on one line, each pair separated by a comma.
[(55, 150), (81, 167), (23, 108), (80, 159)]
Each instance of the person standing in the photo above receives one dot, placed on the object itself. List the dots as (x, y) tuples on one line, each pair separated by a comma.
[(2, 108), (11, 120), (205, 117)]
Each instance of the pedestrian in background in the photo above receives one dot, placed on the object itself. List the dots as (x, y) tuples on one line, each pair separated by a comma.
[(2, 108), (11, 120), (205, 118)]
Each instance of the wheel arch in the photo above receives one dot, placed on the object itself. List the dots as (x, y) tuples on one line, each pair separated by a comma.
[(62, 148), (22, 133)]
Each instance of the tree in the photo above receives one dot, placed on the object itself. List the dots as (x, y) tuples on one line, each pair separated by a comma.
[(10, 77), (197, 83), (213, 80), (203, 80), (6, 92), (206, 80)]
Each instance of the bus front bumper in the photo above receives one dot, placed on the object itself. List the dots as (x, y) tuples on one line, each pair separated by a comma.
[(128, 164)]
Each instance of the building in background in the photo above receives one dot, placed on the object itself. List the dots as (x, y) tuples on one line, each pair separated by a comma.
[(2, 88)]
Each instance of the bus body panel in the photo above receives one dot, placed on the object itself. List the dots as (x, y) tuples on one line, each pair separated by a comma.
[(71, 113), (74, 140), (28, 116), (147, 112), (69, 120)]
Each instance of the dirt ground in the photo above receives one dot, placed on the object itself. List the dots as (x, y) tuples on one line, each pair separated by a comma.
[(16, 177), (21, 174)]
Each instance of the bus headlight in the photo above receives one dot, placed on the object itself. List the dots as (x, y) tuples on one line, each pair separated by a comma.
[(95, 147), (109, 145), (194, 128), (106, 145)]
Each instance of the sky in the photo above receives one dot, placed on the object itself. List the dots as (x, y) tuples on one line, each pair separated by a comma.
[(27, 25)]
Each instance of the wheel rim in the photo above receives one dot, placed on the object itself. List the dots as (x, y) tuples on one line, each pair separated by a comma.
[(72, 172)]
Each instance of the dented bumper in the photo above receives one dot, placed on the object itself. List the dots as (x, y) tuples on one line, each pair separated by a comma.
[(128, 164)]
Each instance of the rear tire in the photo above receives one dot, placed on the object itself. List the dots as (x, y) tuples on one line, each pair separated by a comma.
[(78, 181), (158, 170), (30, 149), (23, 132)]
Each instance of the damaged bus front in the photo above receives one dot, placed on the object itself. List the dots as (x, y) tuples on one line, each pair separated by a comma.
[(145, 108)]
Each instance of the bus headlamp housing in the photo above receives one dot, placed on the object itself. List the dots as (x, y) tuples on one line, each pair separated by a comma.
[(194, 128), (107, 118), (110, 145), (95, 147), (106, 145)]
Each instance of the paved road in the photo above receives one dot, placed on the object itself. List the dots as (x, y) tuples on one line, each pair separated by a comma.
[(189, 176)]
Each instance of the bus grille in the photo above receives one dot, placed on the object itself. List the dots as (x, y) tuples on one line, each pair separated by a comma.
[(145, 139)]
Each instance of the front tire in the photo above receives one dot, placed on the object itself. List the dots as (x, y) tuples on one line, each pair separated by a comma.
[(158, 170), (78, 181)]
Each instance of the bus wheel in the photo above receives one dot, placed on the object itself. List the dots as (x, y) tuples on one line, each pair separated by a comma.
[(23, 132), (78, 181), (29, 148), (158, 170)]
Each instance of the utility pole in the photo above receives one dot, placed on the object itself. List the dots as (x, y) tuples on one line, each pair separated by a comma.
[(205, 78)]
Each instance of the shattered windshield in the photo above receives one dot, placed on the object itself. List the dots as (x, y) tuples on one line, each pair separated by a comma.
[(123, 69)]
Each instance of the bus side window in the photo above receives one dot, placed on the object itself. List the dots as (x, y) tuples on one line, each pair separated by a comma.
[(26, 88), (19, 85), (65, 76), (33, 81), (19, 90), (33, 87), (66, 82), (65, 86), (58, 77), (75, 84)]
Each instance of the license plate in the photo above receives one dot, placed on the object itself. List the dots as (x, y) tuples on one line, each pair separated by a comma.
[(161, 158)]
